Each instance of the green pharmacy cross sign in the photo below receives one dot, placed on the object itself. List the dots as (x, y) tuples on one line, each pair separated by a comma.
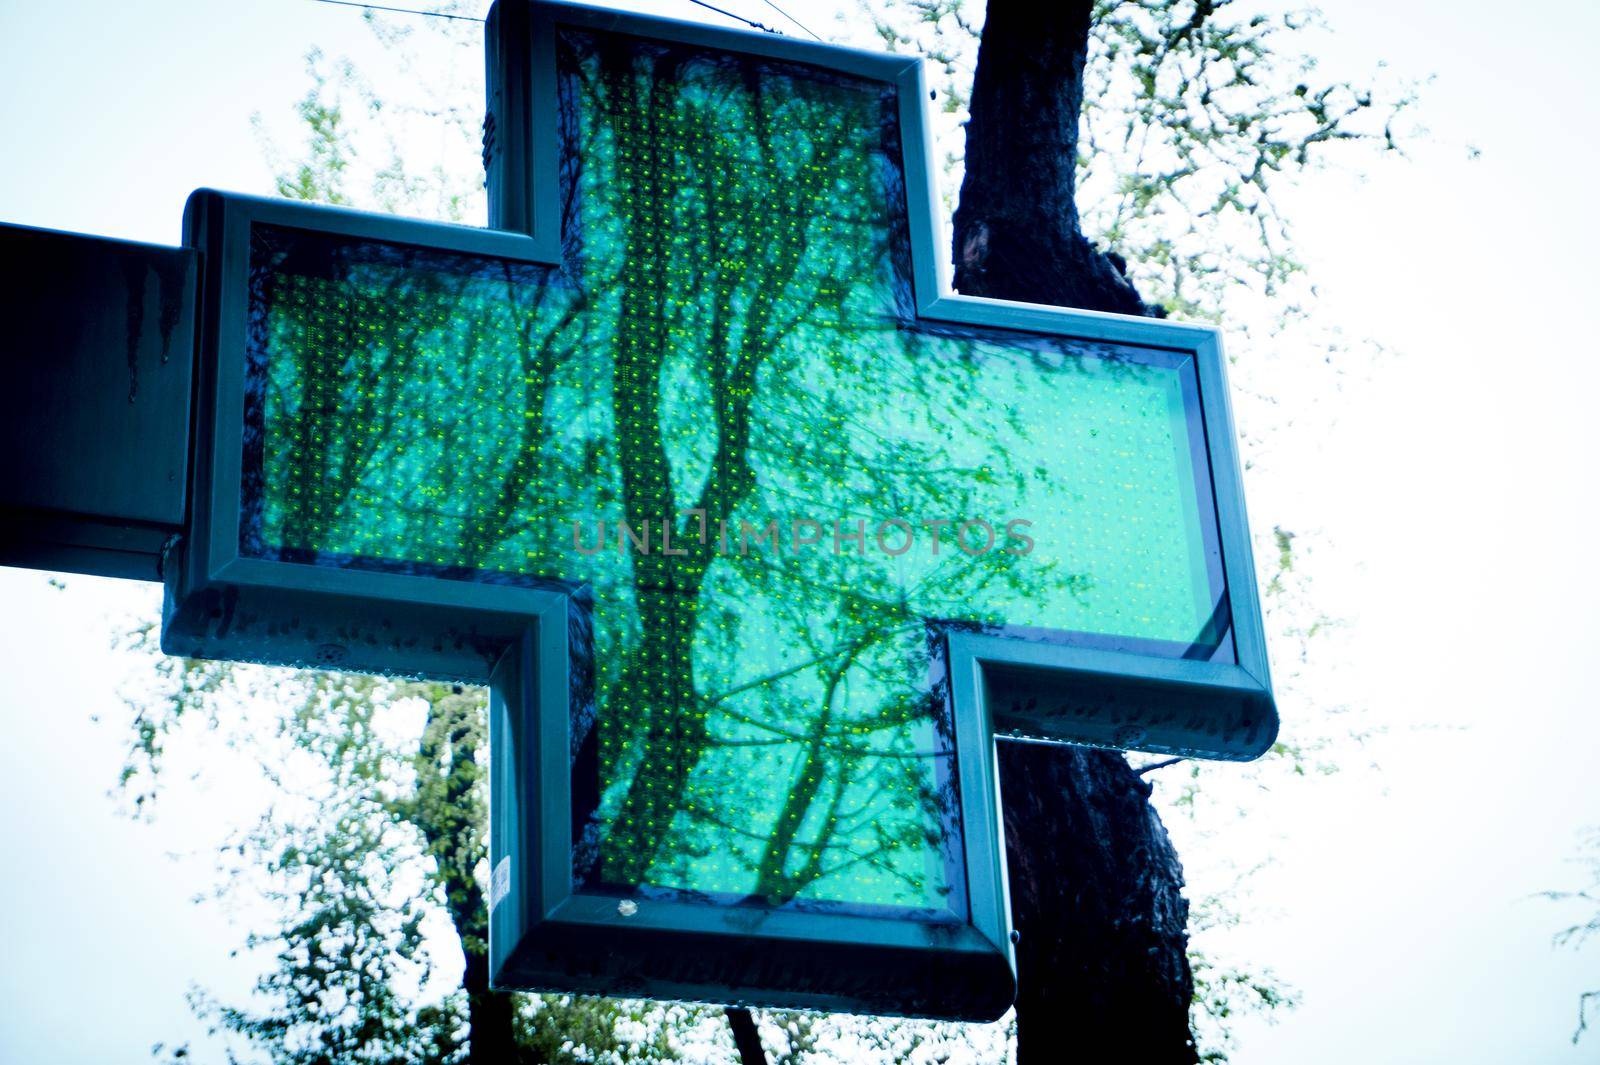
[(757, 533)]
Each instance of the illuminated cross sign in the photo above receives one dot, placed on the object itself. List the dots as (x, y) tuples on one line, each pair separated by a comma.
[(759, 534)]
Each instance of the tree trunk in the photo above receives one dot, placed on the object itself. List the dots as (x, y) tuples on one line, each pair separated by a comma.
[(1096, 887), (1096, 895), (746, 1037), (1016, 229), (491, 1031)]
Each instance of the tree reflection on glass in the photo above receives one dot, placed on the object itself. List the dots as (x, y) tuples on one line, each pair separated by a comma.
[(722, 417)]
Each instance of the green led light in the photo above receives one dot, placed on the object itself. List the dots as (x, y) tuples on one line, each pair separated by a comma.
[(721, 418)]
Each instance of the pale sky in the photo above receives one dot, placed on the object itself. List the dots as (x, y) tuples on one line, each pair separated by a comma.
[(1447, 491)]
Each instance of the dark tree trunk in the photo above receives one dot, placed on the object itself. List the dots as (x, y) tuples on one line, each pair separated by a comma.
[(491, 1038), (1016, 229), (746, 1037), (1096, 895), (1096, 886)]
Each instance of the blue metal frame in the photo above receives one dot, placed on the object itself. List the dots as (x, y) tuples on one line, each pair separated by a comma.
[(95, 379), (221, 604), (545, 933), (999, 683)]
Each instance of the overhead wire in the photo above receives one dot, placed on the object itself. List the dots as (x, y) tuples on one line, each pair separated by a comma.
[(792, 19), (729, 14)]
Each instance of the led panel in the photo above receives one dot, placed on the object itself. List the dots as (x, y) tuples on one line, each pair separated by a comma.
[(758, 544)]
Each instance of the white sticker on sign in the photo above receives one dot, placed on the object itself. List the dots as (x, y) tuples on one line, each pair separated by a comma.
[(500, 882)]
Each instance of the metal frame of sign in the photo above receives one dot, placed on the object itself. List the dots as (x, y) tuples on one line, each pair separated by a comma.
[(222, 604), (1212, 709), (544, 932)]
